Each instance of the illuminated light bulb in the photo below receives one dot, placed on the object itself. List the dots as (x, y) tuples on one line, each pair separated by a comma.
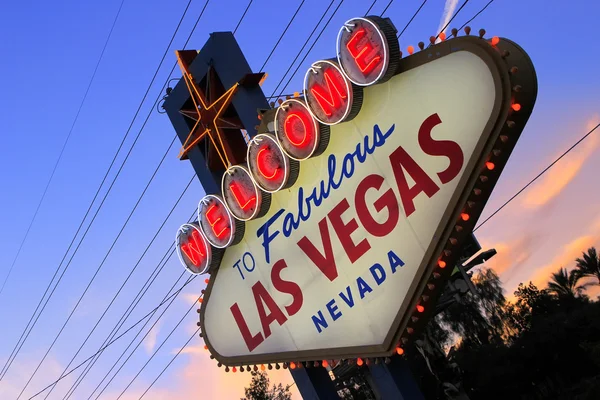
[(411, 49), (205, 347), (292, 365), (464, 216), (399, 351), (296, 94), (495, 40), (420, 308), (516, 106), (234, 369), (206, 281), (324, 363), (200, 300), (442, 36), (442, 264), (262, 367), (490, 165), (359, 361)]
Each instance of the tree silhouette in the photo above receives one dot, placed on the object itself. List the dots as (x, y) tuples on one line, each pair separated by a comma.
[(259, 389), (589, 265), (563, 284)]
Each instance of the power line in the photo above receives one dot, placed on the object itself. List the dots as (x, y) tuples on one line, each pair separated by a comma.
[(451, 19), (170, 362), (537, 176), (190, 280), (87, 90), (301, 49), (412, 18), (386, 8), (132, 351), (476, 15), (282, 35), (312, 46), (99, 267), (156, 351), (242, 18), (372, 5), (25, 335), (123, 319), (165, 259), (126, 279)]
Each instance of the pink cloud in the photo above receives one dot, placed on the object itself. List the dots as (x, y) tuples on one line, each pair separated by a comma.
[(559, 176)]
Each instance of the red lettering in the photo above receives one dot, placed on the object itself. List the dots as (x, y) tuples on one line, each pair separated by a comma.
[(361, 51), (298, 128), (288, 287), (266, 165), (327, 99), (251, 341), (325, 263), (343, 231), (387, 200), (262, 298), (446, 148), (218, 224), (241, 196), (400, 161), (194, 248)]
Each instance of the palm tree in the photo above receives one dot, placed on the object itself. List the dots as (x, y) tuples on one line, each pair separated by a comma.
[(589, 265), (563, 284)]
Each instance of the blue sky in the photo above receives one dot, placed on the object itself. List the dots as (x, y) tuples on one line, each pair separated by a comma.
[(50, 51)]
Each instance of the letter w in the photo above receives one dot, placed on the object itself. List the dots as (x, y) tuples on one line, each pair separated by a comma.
[(193, 249), (327, 99)]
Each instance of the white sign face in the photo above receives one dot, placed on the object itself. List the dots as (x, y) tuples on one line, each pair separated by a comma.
[(337, 255)]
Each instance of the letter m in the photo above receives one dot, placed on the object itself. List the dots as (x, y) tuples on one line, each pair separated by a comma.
[(329, 98)]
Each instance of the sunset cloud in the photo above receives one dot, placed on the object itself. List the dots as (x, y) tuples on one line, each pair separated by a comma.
[(566, 258), (150, 340), (560, 175)]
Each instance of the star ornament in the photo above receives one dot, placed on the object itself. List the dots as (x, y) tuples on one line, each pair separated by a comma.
[(208, 115)]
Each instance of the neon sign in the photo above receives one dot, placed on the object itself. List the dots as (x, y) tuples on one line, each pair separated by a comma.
[(299, 134), (359, 238), (193, 250), (365, 50)]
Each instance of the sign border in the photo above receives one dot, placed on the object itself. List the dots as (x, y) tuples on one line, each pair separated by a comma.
[(501, 76)]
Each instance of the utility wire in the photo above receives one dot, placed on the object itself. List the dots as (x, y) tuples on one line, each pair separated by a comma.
[(386, 8), (242, 18), (126, 279), (157, 350), (301, 49), (412, 18), (312, 46), (450, 20), (29, 327), (130, 344), (282, 35), (99, 267), (87, 90), (371, 7), (170, 362), (537, 177), (476, 15), (123, 319), (171, 296)]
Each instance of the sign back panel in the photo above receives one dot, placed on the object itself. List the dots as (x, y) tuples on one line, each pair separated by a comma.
[(334, 268)]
